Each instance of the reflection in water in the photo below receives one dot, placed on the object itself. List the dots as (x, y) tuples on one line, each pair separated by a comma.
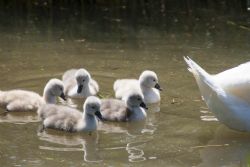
[(149, 128), (208, 116), (129, 128), (154, 107), (136, 137), (111, 127), (19, 117), (135, 151), (83, 142), (227, 148)]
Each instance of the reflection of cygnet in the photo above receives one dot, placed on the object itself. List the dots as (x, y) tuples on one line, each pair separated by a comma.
[(78, 83), (19, 117), (69, 119), (73, 142), (23, 100), (147, 84), (131, 109)]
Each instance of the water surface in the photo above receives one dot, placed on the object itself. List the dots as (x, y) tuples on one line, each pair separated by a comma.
[(182, 133)]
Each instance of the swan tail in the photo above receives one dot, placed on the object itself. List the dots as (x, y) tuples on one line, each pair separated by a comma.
[(195, 68), (203, 79)]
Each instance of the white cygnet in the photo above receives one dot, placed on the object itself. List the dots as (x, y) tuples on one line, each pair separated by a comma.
[(23, 100), (69, 119), (131, 109), (147, 85), (79, 84)]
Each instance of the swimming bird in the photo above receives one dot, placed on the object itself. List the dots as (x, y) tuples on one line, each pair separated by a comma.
[(23, 100), (131, 109), (69, 119), (147, 85), (79, 84), (226, 94)]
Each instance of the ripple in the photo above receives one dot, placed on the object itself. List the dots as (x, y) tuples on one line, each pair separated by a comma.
[(83, 143), (19, 117), (136, 154), (208, 118)]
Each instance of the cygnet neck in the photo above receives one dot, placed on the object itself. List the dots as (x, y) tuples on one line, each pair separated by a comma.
[(48, 97)]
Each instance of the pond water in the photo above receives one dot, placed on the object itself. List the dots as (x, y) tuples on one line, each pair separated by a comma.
[(178, 132)]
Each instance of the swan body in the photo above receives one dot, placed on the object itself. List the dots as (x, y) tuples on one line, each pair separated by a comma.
[(226, 94)]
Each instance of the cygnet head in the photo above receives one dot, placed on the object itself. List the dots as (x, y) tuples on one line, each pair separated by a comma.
[(54, 88), (92, 106), (82, 78), (135, 99), (149, 79)]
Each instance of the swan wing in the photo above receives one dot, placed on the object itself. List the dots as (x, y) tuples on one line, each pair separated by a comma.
[(236, 81)]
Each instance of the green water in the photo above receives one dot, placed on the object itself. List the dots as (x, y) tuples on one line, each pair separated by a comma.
[(182, 133)]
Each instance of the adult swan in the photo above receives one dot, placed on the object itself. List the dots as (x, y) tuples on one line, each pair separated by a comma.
[(226, 94)]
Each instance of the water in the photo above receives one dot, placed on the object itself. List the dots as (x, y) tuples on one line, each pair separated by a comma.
[(182, 133)]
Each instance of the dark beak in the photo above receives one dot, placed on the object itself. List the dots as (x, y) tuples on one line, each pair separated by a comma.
[(63, 97), (98, 114), (143, 105), (79, 89), (157, 86)]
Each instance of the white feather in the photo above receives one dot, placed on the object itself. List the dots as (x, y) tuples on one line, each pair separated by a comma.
[(220, 96)]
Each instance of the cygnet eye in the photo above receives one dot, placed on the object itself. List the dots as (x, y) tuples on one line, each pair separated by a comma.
[(83, 80), (139, 99), (93, 107), (154, 80)]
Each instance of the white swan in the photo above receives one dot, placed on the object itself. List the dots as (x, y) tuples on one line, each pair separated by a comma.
[(79, 84), (131, 109), (226, 94), (147, 84), (23, 100), (69, 119)]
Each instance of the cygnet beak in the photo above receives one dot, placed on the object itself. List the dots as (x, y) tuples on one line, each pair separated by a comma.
[(79, 89), (98, 114), (143, 105), (157, 86), (63, 97)]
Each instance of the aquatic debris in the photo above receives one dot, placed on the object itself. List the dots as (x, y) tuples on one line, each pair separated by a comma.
[(175, 101)]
